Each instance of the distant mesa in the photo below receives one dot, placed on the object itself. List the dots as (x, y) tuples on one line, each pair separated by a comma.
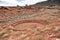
[(48, 3)]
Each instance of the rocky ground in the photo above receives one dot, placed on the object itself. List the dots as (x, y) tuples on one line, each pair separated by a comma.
[(29, 23)]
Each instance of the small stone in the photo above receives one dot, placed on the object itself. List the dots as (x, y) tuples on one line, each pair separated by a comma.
[(11, 30), (27, 38), (57, 38), (57, 28), (23, 35), (5, 35)]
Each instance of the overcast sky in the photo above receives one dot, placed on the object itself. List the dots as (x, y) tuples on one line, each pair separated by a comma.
[(18, 2)]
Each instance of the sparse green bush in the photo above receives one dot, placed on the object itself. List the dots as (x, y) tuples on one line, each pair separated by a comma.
[(38, 39), (2, 33), (17, 5)]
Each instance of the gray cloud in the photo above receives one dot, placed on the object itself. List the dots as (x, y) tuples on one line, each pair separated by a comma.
[(2, 2)]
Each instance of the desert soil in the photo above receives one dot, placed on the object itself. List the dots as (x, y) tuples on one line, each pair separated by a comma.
[(29, 23)]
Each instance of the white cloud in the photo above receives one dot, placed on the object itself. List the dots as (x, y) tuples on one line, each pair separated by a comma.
[(31, 1), (15, 2)]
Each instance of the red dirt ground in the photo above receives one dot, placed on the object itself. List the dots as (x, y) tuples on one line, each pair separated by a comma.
[(29, 23)]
